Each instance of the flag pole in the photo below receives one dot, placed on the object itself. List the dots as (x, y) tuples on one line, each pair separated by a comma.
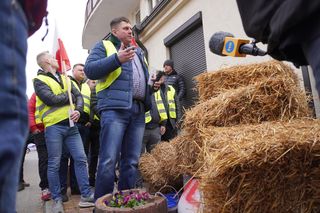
[(68, 82)]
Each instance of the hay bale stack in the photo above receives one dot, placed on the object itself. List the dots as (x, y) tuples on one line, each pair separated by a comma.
[(211, 84), (187, 153), (150, 170), (160, 167), (272, 99), (272, 167), (166, 155)]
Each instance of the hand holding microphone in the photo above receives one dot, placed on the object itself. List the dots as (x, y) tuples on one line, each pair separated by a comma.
[(126, 54)]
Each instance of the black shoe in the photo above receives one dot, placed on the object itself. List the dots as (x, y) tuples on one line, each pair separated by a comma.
[(25, 184), (20, 187), (65, 198)]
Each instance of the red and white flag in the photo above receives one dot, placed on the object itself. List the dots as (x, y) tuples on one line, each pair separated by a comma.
[(60, 52)]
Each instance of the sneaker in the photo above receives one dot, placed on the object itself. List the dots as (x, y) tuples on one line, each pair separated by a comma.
[(64, 197), (57, 206), (87, 201), (45, 195)]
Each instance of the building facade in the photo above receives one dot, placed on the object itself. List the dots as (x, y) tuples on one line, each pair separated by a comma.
[(173, 29)]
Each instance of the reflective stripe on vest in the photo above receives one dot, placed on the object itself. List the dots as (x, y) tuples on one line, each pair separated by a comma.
[(36, 113), (172, 105), (160, 107), (86, 95), (51, 115), (111, 77)]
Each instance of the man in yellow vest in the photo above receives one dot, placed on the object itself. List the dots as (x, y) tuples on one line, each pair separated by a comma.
[(123, 98), (173, 108), (54, 111), (78, 79), (156, 118)]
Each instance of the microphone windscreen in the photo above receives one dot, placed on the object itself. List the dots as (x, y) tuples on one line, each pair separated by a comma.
[(216, 42)]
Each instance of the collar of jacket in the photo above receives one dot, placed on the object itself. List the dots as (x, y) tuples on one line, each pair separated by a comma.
[(174, 72), (52, 76), (115, 41), (73, 79)]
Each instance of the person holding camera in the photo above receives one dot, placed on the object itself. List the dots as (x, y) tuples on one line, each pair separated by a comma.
[(172, 107), (123, 98), (156, 117)]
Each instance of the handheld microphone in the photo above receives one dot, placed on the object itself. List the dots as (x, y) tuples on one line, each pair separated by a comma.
[(224, 44)]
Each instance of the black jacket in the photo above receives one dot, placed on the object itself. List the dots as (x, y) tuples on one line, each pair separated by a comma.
[(44, 92), (282, 24), (177, 82)]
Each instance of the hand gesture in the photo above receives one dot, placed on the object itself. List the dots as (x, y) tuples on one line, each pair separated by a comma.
[(125, 54)]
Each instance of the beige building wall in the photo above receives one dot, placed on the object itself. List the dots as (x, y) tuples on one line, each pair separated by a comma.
[(217, 15)]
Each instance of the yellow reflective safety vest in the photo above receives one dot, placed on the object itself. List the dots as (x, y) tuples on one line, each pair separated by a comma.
[(86, 95), (172, 105), (50, 115), (111, 77), (160, 107)]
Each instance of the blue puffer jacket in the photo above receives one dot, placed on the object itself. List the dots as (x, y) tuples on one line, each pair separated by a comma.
[(119, 94)]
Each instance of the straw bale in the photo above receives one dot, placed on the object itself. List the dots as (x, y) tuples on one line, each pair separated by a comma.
[(272, 167), (188, 150), (159, 168), (166, 155), (151, 170), (211, 84), (272, 99)]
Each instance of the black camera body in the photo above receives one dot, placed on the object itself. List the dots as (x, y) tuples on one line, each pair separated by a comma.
[(159, 75)]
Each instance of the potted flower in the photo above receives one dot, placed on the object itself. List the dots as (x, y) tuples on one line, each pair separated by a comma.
[(135, 200)]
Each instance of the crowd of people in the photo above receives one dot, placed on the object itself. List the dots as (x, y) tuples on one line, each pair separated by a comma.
[(109, 112), (100, 119)]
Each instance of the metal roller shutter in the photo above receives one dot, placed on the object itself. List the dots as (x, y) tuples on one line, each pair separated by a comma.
[(188, 54)]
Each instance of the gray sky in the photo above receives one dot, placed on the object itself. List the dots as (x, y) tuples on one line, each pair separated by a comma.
[(69, 16)]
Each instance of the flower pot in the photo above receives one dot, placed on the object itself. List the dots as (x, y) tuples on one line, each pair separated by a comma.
[(155, 204)]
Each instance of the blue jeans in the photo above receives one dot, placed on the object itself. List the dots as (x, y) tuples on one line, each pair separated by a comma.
[(56, 136), (13, 100), (121, 132), (64, 168)]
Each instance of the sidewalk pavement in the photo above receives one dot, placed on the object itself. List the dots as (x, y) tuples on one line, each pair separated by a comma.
[(69, 207)]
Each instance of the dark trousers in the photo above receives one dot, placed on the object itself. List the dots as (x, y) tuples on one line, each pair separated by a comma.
[(39, 140), (170, 133), (21, 178), (311, 50), (29, 140), (94, 145), (151, 138)]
